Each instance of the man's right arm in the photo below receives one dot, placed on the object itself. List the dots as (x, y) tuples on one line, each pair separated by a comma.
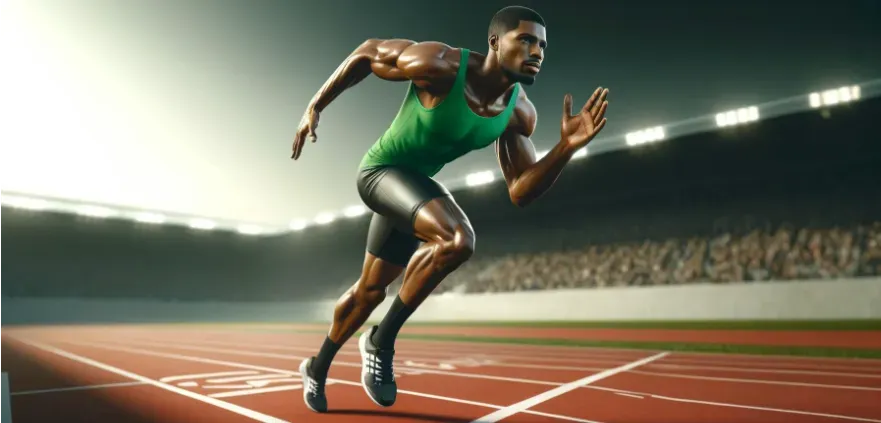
[(425, 64)]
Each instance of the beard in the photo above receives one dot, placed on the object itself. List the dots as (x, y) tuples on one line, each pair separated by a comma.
[(520, 77)]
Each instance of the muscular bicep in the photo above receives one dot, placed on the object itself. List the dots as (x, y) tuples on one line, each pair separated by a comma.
[(515, 149), (406, 60), (515, 153)]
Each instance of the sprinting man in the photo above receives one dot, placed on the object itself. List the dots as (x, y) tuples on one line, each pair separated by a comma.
[(457, 101)]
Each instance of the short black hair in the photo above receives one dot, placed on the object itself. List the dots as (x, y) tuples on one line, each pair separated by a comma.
[(508, 19)]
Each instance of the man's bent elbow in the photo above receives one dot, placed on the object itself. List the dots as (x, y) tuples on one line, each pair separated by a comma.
[(519, 200)]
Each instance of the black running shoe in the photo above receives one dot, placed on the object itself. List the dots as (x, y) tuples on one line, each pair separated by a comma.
[(377, 371), (313, 388)]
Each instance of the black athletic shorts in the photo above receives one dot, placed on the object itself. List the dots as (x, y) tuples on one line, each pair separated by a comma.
[(395, 195)]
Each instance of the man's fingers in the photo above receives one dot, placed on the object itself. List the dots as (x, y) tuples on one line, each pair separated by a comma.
[(592, 99), (298, 146), (599, 102), (599, 126), (599, 114), (567, 105)]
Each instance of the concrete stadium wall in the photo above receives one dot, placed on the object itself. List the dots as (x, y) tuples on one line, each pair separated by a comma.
[(834, 299), (827, 299), (45, 311)]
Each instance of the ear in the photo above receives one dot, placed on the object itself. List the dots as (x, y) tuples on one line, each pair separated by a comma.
[(494, 42)]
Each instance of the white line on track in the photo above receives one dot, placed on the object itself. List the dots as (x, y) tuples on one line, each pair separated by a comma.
[(629, 395), (777, 371), (142, 351), (560, 390), (534, 381), (780, 410), (759, 381), (587, 357), (77, 388), (435, 355), (336, 362), (206, 375), (208, 400), (725, 404)]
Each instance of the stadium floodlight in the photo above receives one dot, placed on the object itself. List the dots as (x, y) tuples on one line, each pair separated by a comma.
[(736, 117), (147, 217), (298, 224), (94, 211), (645, 136), (324, 218), (834, 96), (582, 152), (354, 211), (479, 178), (247, 229), (26, 203), (202, 224)]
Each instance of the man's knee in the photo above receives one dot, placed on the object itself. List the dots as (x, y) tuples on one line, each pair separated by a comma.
[(460, 247), (369, 295)]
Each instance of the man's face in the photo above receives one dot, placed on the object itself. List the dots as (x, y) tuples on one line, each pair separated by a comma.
[(521, 52)]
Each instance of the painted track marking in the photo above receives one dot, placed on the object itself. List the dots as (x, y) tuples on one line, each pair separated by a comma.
[(491, 377), (339, 381), (208, 400), (562, 389), (77, 388), (725, 404), (759, 381)]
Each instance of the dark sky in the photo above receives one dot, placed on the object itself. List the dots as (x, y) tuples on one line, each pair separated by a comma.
[(192, 105)]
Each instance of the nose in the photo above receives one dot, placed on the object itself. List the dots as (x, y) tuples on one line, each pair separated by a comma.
[(536, 53)]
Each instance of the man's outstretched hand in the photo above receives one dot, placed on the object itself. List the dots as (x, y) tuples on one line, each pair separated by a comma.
[(577, 130), (307, 127)]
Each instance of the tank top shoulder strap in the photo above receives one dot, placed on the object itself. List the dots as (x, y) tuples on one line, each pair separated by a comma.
[(462, 72), (513, 101)]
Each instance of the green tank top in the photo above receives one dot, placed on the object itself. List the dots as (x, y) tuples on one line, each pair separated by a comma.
[(427, 139)]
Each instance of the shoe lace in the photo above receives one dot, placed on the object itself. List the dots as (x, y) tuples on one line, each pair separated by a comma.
[(314, 387), (382, 366)]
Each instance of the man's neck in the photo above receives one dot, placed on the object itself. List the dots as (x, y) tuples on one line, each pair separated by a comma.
[(492, 82)]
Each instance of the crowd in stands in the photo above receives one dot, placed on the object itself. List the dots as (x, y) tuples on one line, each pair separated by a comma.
[(785, 253)]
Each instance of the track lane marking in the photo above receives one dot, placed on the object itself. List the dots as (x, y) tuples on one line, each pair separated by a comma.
[(162, 385), (139, 351), (77, 388), (562, 389)]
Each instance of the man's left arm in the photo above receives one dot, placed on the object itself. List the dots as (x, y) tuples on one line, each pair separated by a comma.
[(528, 178)]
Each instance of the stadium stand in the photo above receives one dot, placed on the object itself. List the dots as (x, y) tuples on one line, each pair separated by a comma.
[(793, 197)]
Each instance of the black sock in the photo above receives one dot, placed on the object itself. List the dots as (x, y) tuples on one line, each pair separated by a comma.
[(321, 363), (385, 334)]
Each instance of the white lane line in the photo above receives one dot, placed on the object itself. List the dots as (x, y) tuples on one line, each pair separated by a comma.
[(256, 391), (562, 389), (142, 351), (499, 378), (206, 375), (755, 370), (758, 381), (725, 404), (779, 410), (208, 400), (335, 363), (628, 395), (248, 378), (77, 388), (406, 352)]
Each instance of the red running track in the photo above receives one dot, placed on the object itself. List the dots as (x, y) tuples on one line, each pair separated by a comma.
[(169, 374)]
